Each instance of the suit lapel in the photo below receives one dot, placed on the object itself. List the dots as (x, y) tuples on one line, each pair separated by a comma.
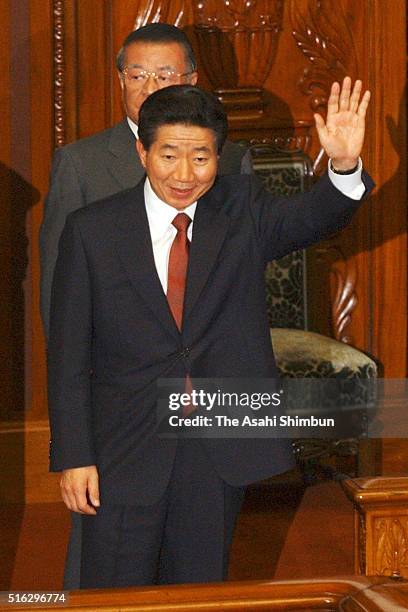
[(125, 165), (135, 251), (209, 231)]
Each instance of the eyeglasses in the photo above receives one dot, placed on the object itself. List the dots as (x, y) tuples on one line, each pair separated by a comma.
[(137, 77)]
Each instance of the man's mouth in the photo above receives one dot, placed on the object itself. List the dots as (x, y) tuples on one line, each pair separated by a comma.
[(182, 191)]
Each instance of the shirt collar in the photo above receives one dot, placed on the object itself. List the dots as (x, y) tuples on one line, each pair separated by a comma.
[(159, 213), (133, 127)]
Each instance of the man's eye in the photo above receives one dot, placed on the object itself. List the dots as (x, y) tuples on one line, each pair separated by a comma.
[(168, 156), (201, 160), (164, 78)]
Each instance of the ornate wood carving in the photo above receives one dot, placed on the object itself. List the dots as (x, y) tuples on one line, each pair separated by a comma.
[(176, 12), (344, 274), (345, 301), (238, 42), (59, 73), (323, 35), (391, 546), (381, 525)]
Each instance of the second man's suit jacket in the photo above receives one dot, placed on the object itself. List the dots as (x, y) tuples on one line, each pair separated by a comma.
[(112, 335), (92, 169)]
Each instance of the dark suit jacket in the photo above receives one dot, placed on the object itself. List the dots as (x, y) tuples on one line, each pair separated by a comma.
[(92, 169), (112, 334)]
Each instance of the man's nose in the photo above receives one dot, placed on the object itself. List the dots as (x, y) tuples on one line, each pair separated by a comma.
[(184, 171), (151, 85)]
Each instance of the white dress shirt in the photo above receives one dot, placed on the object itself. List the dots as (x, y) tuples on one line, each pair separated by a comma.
[(160, 216), (133, 127)]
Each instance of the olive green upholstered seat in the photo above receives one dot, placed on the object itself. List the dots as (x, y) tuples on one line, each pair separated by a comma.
[(302, 353)]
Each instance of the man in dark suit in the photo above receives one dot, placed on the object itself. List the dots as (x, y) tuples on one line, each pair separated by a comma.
[(94, 168), (133, 302)]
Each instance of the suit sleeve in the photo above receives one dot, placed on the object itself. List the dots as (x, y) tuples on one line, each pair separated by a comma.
[(65, 195), (69, 355), (288, 224)]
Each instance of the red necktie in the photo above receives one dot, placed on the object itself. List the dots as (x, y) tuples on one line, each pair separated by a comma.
[(176, 280), (177, 272)]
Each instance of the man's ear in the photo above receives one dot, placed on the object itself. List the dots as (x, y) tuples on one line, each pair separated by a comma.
[(142, 152), (194, 78), (120, 77)]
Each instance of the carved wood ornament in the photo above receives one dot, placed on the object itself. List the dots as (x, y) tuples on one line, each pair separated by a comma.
[(238, 41), (325, 39), (176, 12), (344, 274), (345, 301), (59, 74), (323, 36), (391, 546)]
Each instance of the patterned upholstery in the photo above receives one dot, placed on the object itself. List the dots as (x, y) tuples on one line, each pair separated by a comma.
[(307, 354), (286, 174)]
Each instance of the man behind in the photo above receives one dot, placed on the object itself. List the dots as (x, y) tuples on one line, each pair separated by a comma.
[(133, 302), (152, 57)]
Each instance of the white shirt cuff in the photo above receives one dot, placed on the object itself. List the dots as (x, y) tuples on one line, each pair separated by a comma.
[(350, 185)]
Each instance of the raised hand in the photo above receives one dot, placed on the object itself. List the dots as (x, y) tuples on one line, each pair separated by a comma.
[(342, 134)]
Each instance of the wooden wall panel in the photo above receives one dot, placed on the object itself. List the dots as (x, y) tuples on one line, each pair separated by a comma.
[(26, 147), (6, 357), (41, 148), (387, 161)]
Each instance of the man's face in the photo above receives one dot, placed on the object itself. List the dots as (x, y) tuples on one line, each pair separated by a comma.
[(152, 57), (181, 163)]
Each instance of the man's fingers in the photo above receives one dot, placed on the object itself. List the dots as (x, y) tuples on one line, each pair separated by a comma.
[(75, 499), (83, 506), (319, 120), (74, 488), (93, 489), (333, 102), (344, 101), (68, 500), (79, 491), (355, 96), (321, 127), (362, 109)]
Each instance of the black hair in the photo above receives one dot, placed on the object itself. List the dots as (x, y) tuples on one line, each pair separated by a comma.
[(183, 104), (158, 33)]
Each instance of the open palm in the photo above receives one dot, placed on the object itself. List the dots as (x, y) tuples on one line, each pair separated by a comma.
[(342, 134)]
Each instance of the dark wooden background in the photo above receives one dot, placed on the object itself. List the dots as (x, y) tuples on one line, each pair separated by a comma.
[(58, 83)]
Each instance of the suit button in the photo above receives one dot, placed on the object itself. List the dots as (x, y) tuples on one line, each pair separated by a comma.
[(185, 352)]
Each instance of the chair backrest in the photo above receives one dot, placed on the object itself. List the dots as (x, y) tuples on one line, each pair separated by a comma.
[(285, 173)]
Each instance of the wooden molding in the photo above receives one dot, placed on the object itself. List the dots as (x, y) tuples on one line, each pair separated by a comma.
[(350, 594)]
